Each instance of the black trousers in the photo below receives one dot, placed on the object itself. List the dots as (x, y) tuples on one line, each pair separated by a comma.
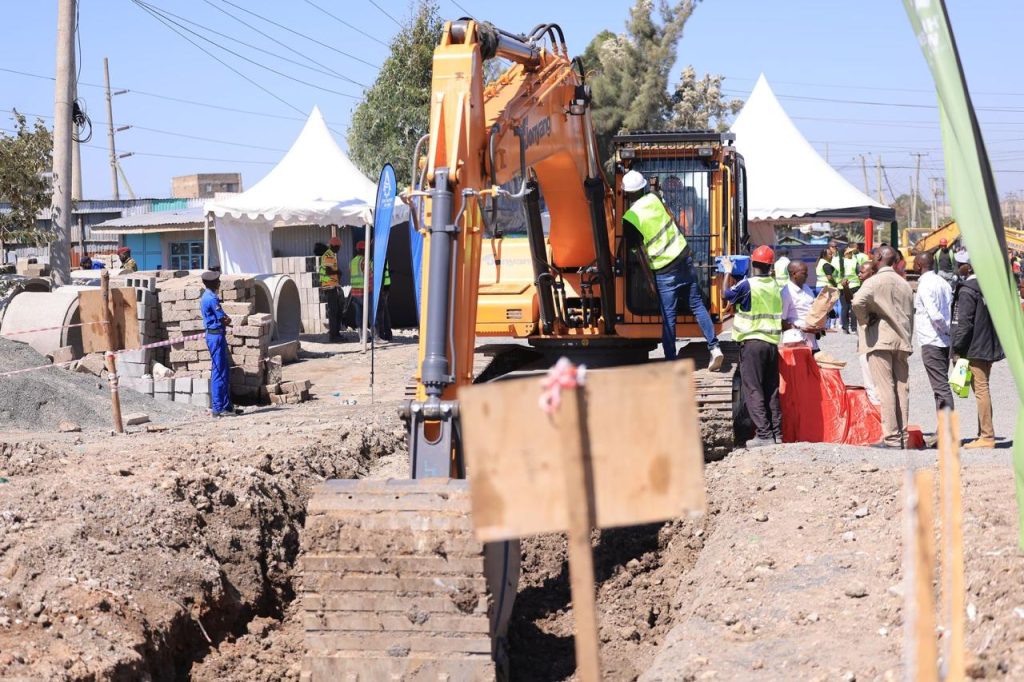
[(333, 296), (847, 320), (384, 315), (759, 381), (936, 364)]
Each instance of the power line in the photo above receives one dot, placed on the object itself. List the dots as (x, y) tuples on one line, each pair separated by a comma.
[(871, 87), (462, 9), (325, 70), (164, 20), (221, 61), (301, 35), (397, 22), (905, 105), (284, 45), (342, 21)]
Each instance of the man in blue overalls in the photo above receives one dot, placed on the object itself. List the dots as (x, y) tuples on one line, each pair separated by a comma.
[(215, 322)]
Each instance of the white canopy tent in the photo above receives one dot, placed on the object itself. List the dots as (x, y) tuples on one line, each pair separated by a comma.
[(787, 180), (314, 184)]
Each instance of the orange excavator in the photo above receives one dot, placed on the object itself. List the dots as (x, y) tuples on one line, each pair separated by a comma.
[(394, 584)]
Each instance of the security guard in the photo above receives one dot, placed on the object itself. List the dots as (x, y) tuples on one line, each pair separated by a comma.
[(330, 284), (355, 273), (670, 260), (215, 322), (128, 264), (757, 326)]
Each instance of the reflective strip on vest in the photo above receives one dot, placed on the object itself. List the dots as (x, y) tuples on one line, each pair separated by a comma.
[(819, 272), (764, 319), (663, 241), (782, 271), (852, 266), (329, 259), (355, 272)]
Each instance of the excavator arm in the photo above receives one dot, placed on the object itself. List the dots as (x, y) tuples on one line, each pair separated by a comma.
[(531, 125)]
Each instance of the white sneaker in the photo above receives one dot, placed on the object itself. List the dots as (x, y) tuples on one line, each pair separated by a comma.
[(716, 359)]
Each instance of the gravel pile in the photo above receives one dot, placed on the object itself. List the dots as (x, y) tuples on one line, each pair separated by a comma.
[(39, 401)]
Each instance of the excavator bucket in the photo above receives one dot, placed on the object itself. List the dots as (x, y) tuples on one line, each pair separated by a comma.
[(395, 585)]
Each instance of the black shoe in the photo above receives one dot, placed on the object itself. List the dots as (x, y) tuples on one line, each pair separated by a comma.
[(885, 446), (846, 331), (759, 443)]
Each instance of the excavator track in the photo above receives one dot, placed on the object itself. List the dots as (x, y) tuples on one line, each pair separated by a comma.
[(396, 587)]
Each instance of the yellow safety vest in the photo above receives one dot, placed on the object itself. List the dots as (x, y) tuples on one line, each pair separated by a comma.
[(764, 319), (663, 241), (819, 272), (329, 260), (782, 271), (387, 275), (355, 271)]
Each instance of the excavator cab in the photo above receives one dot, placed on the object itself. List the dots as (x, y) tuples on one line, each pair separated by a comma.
[(701, 180)]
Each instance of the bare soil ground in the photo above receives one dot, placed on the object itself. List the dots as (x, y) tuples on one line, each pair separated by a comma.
[(171, 555)]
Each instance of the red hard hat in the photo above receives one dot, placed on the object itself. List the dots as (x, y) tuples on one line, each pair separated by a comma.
[(124, 249), (360, 245), (764, 255), (335, 241), (943, 242)]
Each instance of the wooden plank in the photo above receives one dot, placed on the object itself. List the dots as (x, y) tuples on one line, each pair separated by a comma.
[(645, 451), (571, 422), (920, 651), (954, 598), (122, 311)]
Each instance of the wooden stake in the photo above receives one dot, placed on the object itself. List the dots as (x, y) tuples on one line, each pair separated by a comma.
[(115, 395), (108, 322), (572, 426), (953, 594), (919, 558)]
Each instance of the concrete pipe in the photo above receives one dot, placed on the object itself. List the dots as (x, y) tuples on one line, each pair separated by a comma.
[(35, 310), (279, 296)]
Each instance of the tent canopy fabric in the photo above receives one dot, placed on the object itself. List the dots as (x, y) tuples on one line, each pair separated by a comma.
[(314, 184), (787, 179)]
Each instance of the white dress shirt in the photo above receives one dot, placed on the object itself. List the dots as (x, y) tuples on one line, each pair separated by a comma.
[(796, 303), (932, 310)]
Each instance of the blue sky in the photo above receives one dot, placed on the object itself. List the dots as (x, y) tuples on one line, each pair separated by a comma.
[(827, 60)]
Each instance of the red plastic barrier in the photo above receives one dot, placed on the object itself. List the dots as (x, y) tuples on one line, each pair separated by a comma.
[(818, 407)]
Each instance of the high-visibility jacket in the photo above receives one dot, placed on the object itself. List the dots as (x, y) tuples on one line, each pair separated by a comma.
[(764, 319), (355, 272), (782, 271), (387, 274), (851, 269), (329, 263), (822, 278), (663, 241)]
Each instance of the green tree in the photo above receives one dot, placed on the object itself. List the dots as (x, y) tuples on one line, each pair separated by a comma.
[(25, 158), (395, 112), (698, 104), (629, 77)]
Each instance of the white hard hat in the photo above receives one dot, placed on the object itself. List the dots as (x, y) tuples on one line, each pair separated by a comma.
[(633, 181)]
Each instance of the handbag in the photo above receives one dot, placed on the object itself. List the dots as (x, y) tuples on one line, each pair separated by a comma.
[(960, 378)]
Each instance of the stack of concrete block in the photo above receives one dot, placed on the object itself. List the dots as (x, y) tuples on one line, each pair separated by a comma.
[(133, 367), (287, 392), (194, 390), (305, 271), (249, 348)]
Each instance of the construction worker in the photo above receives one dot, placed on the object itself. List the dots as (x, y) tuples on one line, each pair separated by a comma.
[(849, 267), (128, 264), (215, 322), (782, 266), (825, 276), (757, 326), (669, 259), (330, 284), (945, 262), (355, 273)]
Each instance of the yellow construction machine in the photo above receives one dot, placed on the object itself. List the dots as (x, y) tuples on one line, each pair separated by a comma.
[(394, 584)]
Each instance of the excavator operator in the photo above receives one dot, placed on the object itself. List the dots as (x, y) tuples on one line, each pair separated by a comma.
[(669, 258)]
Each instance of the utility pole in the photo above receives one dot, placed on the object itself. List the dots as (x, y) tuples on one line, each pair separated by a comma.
[(110, 132), (864, 167), (935, 201), (917, 187), (913, 203), (60, 247), (878, 179), (76, 152)]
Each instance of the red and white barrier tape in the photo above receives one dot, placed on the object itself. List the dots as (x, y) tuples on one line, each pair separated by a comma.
[(158, 344), (50, 329), (563, 375)]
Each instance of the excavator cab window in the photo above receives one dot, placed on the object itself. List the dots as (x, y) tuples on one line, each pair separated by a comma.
[(510, 216), (684, 185)]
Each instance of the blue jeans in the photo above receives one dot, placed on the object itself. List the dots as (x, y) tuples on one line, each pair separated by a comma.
[(675, 281), (220, 398)]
